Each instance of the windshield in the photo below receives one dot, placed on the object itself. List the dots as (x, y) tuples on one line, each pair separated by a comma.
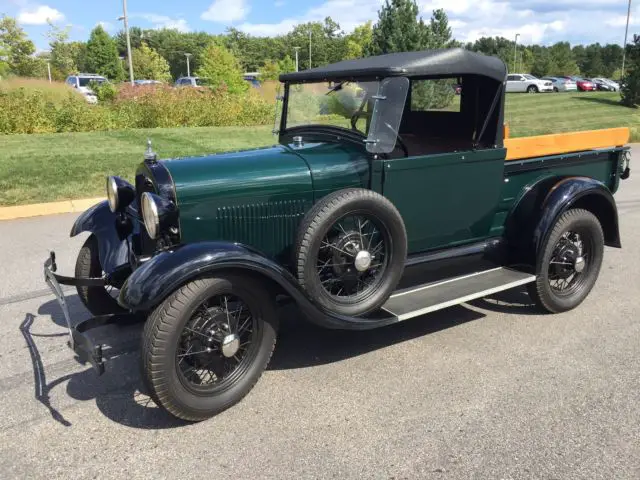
[(337, 104), (85, 81)]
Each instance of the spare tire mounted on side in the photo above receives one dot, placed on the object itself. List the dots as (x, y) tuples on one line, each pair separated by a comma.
[(351, 250)]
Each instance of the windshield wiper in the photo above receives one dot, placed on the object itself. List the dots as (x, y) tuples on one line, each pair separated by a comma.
[(337, 87)]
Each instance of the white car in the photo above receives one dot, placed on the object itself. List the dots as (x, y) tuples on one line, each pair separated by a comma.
[(523, 82), (562, 84), (81, 82)]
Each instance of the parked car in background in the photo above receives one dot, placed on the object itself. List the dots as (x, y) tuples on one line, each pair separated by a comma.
[(81, 82), (252, 78), (562, 84), (518, 82), (584, 85), (192, 82), (147, 82), (605, 85)]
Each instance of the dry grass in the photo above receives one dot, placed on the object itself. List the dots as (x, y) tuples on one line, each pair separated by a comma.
[(54, 91)]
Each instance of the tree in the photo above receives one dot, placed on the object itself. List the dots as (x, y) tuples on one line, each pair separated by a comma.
[(562, 60), (102, 55), (65, 57), (287, 65), (440, 31), (149, 64), (270, 70), (630, 91), (399, 29), (359, 41), (17, 50), (222, 69), (593, 65)]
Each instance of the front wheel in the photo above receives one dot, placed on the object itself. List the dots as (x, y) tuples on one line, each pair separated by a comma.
[(569, 262), (205, 347), (532, 89)]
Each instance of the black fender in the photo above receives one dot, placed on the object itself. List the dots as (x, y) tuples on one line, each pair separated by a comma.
[(530, 222), (113, 249), (156, 279)]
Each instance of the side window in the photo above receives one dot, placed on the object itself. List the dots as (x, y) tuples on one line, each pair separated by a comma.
[(435, 95), (512, 78)]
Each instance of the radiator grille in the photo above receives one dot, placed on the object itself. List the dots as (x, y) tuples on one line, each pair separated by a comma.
[(269, 227)]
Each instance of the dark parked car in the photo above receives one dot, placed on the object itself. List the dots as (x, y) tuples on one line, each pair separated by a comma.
[(398, 204)]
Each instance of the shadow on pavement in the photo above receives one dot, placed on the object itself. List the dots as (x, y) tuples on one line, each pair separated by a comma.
[(120, 394), (515, 301)]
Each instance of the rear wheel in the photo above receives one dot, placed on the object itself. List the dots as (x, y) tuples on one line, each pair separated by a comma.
[(205, 347), (555, 89), (532, 89), (98, 300), (569, 262)]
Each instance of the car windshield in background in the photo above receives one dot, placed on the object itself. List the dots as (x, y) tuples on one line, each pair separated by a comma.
[(337, 104), (530, 77), (203, 82), (85, 81)]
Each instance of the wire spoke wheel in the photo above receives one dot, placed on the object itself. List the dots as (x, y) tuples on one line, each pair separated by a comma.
[(353, 257), (216, 344), (569, 263)]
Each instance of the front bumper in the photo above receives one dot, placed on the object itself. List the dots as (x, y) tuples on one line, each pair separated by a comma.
[(79, 341)]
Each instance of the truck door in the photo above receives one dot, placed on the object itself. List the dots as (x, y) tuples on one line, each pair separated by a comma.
[(445, 199)]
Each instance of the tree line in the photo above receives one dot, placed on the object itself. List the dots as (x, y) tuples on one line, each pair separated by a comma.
[(162, 54)]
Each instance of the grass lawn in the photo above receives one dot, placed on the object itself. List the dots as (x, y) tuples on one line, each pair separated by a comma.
[(49, 167)]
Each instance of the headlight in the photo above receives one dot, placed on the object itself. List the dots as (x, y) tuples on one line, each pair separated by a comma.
[(119, 193), (157, 213)]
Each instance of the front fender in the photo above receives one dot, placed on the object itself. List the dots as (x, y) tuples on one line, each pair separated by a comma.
[(578, 192), (155, 280), (103, 223)]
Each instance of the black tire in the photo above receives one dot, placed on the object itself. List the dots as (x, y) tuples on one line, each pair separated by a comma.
[(319, 222), (532, 89), (167, 384), (587, 226), (555, 89), (97, 299)]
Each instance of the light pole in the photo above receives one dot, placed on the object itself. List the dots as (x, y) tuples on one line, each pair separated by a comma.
[(49, 70), (515, 52), (126, 31), (297, 49), (188, 55), (310, 50), (626, 32)]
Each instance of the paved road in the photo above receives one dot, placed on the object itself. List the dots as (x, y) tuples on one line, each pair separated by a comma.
[(490, 390)]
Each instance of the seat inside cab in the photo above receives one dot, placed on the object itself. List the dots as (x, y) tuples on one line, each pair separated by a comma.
[(451, 114)]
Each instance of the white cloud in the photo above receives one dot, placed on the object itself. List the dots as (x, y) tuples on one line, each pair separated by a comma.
[(226, 11), (537, 21), (38, 15), (163, 21), (107, 26)]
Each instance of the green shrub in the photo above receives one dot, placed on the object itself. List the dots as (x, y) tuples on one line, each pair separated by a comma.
[(105, 92)]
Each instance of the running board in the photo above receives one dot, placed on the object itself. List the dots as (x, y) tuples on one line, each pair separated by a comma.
[(436, 296)]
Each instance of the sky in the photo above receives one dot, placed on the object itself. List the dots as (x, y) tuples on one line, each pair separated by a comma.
[(537, 21)]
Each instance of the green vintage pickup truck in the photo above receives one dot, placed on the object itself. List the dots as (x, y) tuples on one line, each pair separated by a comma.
[(393, 191)]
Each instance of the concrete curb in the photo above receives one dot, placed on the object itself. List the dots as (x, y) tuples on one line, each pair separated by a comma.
[(39, 209)]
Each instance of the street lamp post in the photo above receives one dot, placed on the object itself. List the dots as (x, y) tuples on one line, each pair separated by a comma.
[(126, 31), (297, 49), (188, 55), (626, 32), (515, 52), (310, 64)]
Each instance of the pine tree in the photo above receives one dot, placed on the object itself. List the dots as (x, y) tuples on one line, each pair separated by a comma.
[(102, 55), (399, 29), (631, 83)]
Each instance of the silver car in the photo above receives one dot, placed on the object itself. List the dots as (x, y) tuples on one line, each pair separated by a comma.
[(562, 84)]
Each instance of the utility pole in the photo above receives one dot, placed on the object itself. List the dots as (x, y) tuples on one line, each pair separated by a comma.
[(310, 49), (515, 53), (297, 49), (626, 32), (49, 70), (188, 55), (126, 31)]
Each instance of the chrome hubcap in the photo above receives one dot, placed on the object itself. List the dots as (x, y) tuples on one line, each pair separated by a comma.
[(363, 261), (230, 345), (579, 265)]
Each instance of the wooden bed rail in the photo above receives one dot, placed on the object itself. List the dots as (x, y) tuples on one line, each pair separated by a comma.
[(559, 143)]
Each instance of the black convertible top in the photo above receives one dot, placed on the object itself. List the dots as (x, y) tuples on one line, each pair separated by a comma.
[(454, 61)]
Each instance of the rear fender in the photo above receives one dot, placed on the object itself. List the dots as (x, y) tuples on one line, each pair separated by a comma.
[(152, 282), (99, 220), (530, 222)]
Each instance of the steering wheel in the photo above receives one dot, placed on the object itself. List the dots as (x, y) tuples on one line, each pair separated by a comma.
[(399, 140)]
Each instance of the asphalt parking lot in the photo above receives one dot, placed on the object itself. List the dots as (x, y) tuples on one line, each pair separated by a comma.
[(490, 390)]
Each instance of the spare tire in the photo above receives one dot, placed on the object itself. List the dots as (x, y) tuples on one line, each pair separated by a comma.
[(350, 251)]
